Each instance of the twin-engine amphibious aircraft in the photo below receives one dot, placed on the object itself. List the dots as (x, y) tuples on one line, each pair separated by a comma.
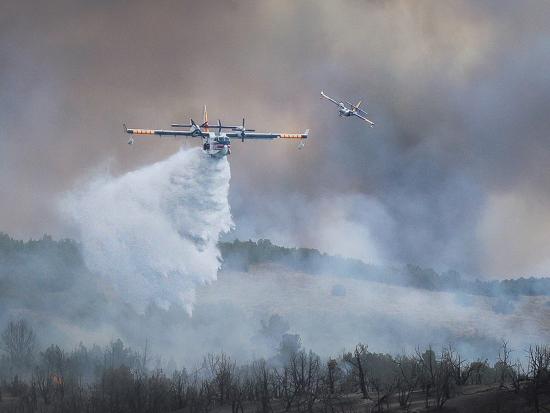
[(353, 110), (216, 143)]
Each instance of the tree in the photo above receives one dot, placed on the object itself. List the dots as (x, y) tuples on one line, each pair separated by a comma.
[(407, 380), (539, 373), (52, 368), (306, 372), (262, 382), (18, 341), (179, 388), (382, 377), (435, 375), (332, 371), (357, 360), (290, 345), (300, 381), (503, 367), (331, 389), (222, 370), (478, 371)]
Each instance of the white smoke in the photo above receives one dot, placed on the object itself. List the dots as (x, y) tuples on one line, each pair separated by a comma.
[(152, 233)]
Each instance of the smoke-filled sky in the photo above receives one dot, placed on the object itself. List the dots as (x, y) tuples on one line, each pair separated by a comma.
[(454, 175)]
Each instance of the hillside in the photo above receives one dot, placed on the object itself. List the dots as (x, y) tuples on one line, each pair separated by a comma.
[(240, 255), (267, 302)]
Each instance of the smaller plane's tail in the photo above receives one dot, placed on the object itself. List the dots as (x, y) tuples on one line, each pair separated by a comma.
[(356, 107)]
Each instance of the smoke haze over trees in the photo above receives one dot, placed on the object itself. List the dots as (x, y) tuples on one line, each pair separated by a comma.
[(117, 378), (38, 275)]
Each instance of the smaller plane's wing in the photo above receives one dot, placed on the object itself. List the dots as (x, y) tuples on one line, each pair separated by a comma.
[(329, 98), (370, 122)]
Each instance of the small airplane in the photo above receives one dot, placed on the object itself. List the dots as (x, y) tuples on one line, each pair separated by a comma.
[(353, 110), (216, 143)]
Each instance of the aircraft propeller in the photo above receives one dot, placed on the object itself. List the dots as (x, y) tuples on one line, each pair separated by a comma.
[(197, 128), (243, 132)]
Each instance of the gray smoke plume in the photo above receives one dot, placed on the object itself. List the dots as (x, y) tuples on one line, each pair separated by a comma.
[(456, 167)]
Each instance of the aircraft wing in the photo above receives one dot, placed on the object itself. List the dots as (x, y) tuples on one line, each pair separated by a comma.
[(370, 122), (269, 135), (329, 98), (161, 132)]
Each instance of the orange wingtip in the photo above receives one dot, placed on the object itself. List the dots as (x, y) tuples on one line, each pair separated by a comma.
[(142, 131)]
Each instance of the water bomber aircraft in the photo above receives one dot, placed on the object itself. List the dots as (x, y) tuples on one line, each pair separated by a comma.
[(353, 110), (216, 139)]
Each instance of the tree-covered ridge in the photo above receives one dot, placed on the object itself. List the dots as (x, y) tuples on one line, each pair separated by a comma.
[(241, 254), (44, 263), (64, 252), (51, 262)]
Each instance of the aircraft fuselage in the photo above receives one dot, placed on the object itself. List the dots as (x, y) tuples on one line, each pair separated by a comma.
[(345, 112), (216, 144)]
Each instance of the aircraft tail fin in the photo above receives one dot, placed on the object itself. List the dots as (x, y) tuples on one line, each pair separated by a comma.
[(205, 119), (356, 107)]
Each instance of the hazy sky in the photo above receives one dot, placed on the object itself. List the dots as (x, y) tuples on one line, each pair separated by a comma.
[(455, 174)]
